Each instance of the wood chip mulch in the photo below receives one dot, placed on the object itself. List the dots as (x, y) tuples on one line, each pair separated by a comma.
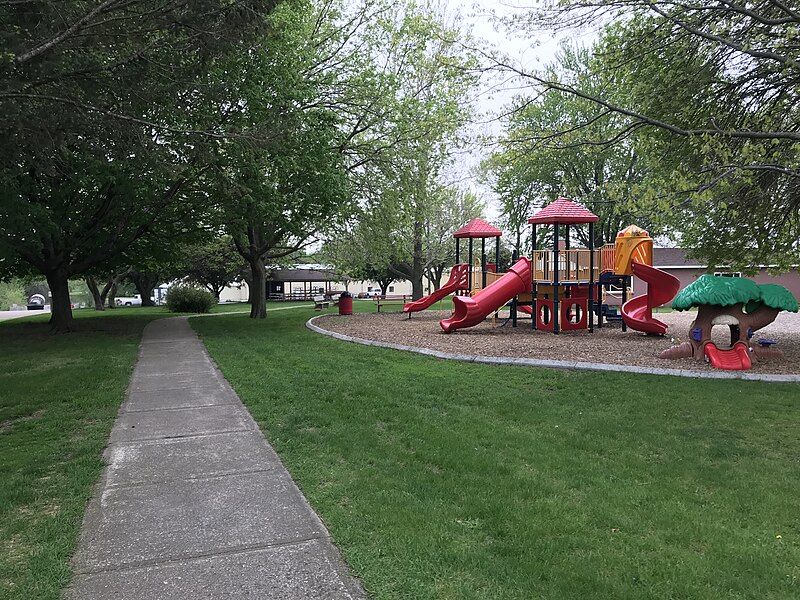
[(606, 345)]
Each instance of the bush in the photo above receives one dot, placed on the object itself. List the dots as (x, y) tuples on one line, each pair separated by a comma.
[(182, 298)]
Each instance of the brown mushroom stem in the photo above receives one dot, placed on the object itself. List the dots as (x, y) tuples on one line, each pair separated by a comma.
[(759, 318)]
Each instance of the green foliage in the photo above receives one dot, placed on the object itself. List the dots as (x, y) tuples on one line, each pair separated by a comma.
[(705, 95), (380, 244), (774, 296), (187, 299), (214, 264), (106, 114), (406, 210), (543, 155), (11, 292), (277, 194)]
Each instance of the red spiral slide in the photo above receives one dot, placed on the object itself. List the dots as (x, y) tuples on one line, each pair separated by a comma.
[(661, 288), (468, 312), (459, 280)]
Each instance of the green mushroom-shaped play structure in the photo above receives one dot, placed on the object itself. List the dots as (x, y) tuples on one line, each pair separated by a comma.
[(742, 305)]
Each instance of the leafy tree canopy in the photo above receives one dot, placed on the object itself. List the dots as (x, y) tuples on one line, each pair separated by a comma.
[(542, 155), (707, 94)]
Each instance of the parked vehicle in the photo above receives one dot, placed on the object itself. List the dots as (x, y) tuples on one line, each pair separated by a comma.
[(370, 294), (36, 302), (129, 301)]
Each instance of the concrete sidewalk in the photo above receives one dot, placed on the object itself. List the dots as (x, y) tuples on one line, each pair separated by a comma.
[(194, 503)]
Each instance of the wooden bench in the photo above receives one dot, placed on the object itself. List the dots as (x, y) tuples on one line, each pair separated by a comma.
[(320, 302), (390, 301)]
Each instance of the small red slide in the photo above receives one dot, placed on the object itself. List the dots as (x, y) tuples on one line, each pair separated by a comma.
[(459, 280), (661, 288), (468, 312), (733, 359)]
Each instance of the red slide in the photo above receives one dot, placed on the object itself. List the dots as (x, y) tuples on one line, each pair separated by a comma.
[(661, 288), (733, 359), (468, 312), (459, 280)]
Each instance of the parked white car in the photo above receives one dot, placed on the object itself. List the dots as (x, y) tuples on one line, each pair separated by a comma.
[(129, 301)]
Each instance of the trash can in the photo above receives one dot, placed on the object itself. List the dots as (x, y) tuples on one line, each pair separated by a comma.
[(346, 303)]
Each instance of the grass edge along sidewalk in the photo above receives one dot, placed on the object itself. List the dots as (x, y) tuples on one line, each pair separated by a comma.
[(455, 480), (59, 396)]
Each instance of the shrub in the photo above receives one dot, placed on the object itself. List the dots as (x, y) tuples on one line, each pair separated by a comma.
[(182, 298)]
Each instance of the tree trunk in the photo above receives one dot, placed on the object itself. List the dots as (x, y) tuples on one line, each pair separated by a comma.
[(106, 291), (111, 297), (145, 284), (110, 290), (384, 286), (61, 320), (435, 276), (417, 266), (97, 298), (258, 289), (214, 290)]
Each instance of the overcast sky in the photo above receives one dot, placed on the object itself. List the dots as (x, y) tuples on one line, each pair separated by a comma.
[(480, 17)]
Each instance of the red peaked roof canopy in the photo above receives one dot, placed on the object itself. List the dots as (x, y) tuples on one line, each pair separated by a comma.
[(477, 228), (564, 211)]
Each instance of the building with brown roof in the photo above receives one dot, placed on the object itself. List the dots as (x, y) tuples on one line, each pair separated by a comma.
[(676, 262)]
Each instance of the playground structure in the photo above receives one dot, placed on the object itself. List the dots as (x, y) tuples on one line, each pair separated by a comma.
[(467, 277), (563, 289), (740, 304)]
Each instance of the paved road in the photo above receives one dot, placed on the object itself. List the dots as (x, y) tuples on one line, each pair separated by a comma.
[(6, 315), (194, 503)]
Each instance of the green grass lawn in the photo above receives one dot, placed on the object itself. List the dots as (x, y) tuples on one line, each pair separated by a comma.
[(245, 307), (452, 480), (59, 396)]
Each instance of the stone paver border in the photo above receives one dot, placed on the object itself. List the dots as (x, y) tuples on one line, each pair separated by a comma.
[(556, 364)]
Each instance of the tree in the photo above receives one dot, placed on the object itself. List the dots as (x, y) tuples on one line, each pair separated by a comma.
[(452, 209), (105, 296), (214, 264), (97, 144), (403, 196), (145, 282), (709, 92), (279, 198), (543, 155), (359, 252), (379, 244), (344, 124)]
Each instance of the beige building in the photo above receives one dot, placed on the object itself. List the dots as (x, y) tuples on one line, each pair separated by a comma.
[(307, 281)]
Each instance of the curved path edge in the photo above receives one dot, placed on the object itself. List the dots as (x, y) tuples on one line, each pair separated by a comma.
[(555, 364)]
